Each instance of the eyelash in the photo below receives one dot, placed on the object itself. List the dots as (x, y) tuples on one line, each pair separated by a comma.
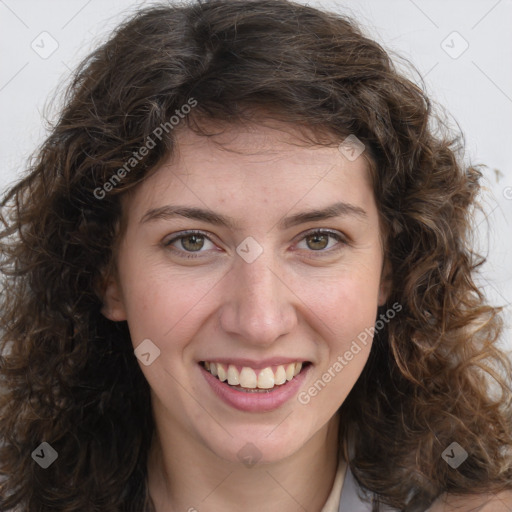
[(192, 255)]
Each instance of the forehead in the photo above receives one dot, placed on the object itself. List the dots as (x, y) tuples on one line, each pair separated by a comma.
[(273, 165)]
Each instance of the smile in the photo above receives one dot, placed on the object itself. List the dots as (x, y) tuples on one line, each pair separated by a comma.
[(250, 380)]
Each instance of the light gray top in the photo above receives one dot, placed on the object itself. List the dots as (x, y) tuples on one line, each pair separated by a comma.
[(346, 495)]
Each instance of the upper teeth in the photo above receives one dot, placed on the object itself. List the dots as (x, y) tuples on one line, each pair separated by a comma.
[(250, 379)]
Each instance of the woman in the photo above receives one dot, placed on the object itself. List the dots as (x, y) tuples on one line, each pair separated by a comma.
[(238, 277)]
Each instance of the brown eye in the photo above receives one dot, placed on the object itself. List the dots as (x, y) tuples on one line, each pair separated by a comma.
[(192, 242), (188, 243), (318, 241)]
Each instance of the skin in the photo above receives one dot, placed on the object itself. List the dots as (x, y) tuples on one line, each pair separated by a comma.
[(298, 298)]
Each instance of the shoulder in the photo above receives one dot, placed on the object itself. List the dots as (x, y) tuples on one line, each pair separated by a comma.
[(499, 502)]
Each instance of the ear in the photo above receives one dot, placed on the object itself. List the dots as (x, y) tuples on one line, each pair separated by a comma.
[(385, 283), (113, 305)]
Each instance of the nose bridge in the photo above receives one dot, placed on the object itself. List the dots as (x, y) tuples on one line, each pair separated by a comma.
[(257, 308)]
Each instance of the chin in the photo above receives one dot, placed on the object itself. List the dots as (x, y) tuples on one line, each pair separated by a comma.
[(259, 446)]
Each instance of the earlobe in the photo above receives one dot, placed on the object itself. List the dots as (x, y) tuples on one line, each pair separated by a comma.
[(385, 284), (383, 295), (113, 306)]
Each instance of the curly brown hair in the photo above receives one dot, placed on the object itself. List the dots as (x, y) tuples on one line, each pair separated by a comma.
[(69, 376)]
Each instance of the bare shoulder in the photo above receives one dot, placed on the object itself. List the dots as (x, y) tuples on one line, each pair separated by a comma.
[(491, 502)]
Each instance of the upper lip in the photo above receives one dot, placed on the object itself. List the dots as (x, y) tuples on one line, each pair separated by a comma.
[(257, 365)]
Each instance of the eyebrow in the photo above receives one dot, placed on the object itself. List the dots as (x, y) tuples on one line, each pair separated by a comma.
[(167, 212)]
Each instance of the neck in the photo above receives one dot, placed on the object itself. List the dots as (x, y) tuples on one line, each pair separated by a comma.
[(186, 476)]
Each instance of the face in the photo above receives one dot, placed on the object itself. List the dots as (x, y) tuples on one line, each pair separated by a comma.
[(224, 266)]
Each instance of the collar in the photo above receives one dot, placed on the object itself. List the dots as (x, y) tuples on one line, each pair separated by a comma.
[(333, 501)]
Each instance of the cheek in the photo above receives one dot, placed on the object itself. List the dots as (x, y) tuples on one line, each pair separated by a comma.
[(164, 306), (346, 305), (346, 313)]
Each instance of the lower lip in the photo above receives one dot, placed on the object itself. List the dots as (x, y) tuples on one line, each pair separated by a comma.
[(259, 401)]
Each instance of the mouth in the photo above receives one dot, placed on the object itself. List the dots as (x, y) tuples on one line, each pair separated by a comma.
[(249, 380)]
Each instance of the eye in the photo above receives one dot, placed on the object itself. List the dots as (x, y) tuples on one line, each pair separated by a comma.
[(188, 242), (318, 241)]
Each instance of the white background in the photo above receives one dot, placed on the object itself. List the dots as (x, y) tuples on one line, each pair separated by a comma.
[(475, 87)]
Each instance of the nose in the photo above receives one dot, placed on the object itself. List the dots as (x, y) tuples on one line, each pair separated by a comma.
[(258, 305)]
